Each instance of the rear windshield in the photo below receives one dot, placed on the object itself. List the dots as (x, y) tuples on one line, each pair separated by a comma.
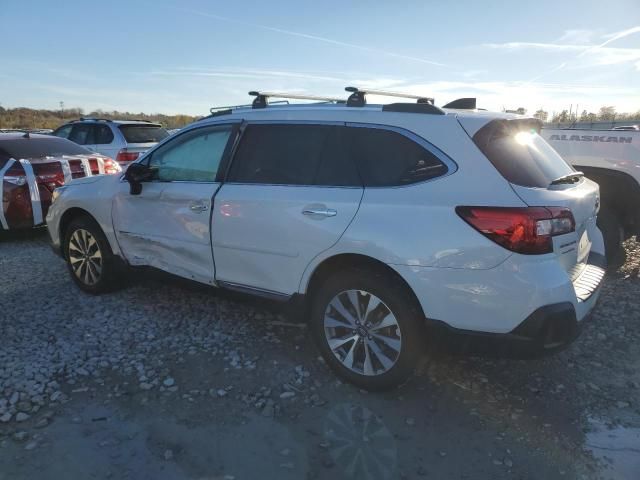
[(39, 147), (143, 133), (520, 154)]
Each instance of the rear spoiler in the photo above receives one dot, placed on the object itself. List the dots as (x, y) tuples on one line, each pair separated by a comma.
[(467, 103)]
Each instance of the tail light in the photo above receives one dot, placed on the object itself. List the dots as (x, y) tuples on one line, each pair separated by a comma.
[(125, 157), (526, 230), (110, 166)]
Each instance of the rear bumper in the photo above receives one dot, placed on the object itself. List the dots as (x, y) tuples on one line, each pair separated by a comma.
[(547, 330), (529, 302)]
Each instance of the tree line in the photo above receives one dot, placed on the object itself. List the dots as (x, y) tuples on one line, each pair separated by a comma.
[(605, 114), (41, 118), (28, 118)]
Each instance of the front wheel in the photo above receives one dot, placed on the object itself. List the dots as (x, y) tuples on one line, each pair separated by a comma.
[(90, 260), (367, 327)]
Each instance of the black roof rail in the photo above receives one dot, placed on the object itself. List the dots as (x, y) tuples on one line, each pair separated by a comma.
[(358, 96), (81, 119), (467, 103), (413, 108), (262, 98)]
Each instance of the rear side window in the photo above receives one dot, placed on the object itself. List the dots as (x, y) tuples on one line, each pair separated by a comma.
[(141, 133), (103, 134), (521, 155), (293, 155), (82, 134), (387, 158), (39, 147)]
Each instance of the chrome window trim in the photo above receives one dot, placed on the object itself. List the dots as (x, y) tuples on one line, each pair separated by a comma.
[(451, 165)]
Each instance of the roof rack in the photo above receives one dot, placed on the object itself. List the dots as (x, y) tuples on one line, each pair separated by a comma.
[(261, 100), (358, 96), (82, 119)]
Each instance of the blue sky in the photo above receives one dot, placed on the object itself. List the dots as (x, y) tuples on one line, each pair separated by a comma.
[(186, 56)]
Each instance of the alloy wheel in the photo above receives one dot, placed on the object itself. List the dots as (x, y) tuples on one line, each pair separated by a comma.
[(362, 332), (85, 257)]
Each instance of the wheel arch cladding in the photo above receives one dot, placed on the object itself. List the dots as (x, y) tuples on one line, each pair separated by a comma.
[(69, 216), (346, 261)]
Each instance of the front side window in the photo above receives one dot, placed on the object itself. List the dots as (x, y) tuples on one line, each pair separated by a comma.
[(191, 157), (387, 158), (281, 154), (63, 131)]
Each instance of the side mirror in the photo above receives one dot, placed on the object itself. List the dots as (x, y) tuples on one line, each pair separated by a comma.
[(135, 175)]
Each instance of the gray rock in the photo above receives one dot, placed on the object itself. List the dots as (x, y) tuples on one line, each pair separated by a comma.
[(168, 454), (168, 382), (285, 395), (221, 392), (21, 417), (6, 417), (146, 386)]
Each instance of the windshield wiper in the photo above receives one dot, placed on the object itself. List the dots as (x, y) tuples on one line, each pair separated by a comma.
[(572, 177)]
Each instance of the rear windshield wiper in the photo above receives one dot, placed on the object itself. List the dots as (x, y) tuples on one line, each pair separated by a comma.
[(572, 177)]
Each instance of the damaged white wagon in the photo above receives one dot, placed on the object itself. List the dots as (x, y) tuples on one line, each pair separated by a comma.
[(384, 219)]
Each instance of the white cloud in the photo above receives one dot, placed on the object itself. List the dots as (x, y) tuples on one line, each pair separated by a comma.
[(316, 38)]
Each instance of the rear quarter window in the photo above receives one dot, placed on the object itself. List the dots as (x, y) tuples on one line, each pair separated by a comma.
[(135, 133), (387, 158), (520, 154)]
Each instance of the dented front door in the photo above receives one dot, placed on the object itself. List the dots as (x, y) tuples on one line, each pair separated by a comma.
[(167, 227)]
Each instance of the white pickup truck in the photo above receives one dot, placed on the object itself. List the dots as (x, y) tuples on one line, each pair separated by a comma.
[(612, 159)]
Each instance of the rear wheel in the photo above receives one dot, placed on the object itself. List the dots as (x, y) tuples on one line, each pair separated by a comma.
[(90, 260), (367, 327), (612, 230)]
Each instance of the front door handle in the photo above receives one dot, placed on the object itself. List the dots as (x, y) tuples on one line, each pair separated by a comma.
[(320, 212), (198, 207)]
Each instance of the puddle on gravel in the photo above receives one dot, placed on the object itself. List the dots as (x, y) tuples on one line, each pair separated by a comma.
[(618, 448)]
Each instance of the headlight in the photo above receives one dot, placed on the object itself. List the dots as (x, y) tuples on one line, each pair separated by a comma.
[(56, 193)]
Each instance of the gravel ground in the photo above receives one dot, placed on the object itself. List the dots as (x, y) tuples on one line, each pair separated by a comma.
[(167, 379)]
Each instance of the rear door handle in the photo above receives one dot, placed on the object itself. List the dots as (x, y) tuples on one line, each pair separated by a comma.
[(320, 212), (198, 207)]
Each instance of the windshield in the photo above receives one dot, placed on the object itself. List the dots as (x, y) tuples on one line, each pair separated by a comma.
[(520, 154), (143, 133), (38, 147)]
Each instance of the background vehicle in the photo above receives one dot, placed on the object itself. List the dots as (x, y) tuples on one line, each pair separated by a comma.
[(612, 159), (123, 140), (32, 166), (380, 216)]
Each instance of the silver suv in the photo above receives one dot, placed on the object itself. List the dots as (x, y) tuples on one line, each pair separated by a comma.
[(123, 140)]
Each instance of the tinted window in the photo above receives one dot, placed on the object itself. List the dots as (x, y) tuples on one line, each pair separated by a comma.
[(103, 134), (63, 131), (39, 147), (520, 155), (82, 134), (192, 157), (293, 155), (141, 133), (387, 158)]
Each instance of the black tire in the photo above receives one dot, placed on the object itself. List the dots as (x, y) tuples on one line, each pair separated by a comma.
[(397, 299), (612, 230), (110, 267)]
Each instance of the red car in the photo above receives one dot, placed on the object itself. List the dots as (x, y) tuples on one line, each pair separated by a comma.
[(32, 166)]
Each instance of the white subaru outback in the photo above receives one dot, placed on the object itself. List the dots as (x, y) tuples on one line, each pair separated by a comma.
[(385, 219)]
